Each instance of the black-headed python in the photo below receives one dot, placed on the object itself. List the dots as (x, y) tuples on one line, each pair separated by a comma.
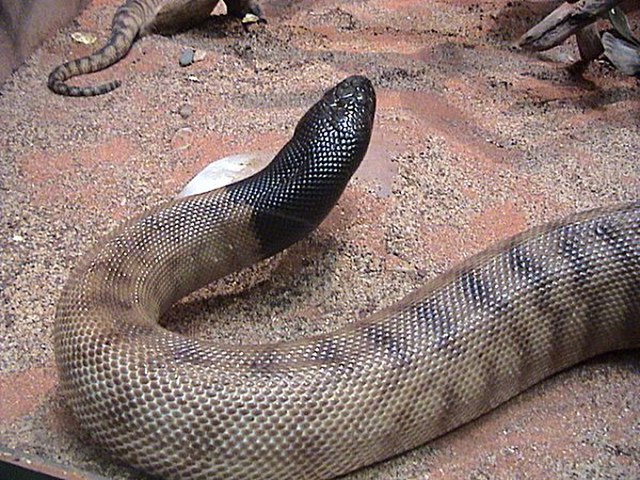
[(182, 408)]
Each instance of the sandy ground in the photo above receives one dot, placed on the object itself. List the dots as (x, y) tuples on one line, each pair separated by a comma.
[(474, 141)]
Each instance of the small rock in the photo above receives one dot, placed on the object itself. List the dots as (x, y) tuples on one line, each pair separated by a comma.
[(185, 111), (225, 171), (85, 38), (199, 55), (182, 139), (186, 58), (250, 18)]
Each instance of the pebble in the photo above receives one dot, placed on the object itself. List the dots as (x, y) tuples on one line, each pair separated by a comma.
[(186, 58), (199, 55), (185, 111), (191, 56), (86, 38)]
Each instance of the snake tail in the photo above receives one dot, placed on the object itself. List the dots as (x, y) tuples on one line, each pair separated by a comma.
[(129, 20)]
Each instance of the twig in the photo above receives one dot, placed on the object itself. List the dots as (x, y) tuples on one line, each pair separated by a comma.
[(563, 22)]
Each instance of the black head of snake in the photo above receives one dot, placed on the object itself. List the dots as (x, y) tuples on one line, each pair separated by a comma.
[(318, 407)]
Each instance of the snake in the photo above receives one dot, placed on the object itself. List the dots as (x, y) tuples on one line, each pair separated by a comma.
[(317, 407), (134, 19)]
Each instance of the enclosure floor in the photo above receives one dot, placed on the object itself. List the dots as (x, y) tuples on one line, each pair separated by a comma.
[(474, 141)]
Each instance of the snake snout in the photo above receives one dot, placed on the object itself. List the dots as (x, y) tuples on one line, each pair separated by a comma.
[(355, 87), (354, 96)]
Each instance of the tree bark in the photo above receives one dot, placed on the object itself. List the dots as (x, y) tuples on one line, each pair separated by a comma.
[(564, 21)]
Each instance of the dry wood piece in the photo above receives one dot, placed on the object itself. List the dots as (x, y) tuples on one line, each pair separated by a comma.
[(563, 22), (623, 54), (589, 44)]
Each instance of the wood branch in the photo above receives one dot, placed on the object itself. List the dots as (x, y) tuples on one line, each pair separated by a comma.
[(589, 44), (623, 54), (563, 22)]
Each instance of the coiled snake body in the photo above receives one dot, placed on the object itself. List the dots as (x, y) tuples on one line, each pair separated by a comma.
[(316, 408)]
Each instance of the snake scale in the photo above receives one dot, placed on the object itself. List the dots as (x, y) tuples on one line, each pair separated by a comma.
[(315, 408)]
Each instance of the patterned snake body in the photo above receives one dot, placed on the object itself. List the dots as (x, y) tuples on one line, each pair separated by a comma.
[(318, 407)]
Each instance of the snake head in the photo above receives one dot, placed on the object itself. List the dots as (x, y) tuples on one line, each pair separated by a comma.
[(344, 116), (352, 103), (304, 181)]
